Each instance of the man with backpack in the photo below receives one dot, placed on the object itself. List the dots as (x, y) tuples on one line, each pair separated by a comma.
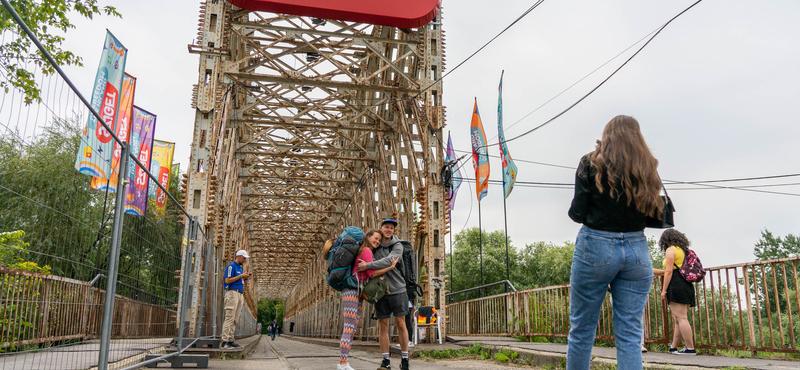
[(395, 302)]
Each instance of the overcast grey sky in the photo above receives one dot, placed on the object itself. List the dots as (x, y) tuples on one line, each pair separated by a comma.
[(716, 94)]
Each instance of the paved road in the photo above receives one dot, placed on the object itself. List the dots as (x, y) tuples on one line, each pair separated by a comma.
[(286, 353)]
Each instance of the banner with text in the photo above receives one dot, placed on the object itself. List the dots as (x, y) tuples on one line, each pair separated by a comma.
[(161, 166), (144, 126), (123, 130), (95, 153)]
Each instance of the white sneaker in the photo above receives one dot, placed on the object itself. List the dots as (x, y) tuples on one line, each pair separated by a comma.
[(410, 344), (344, 367)]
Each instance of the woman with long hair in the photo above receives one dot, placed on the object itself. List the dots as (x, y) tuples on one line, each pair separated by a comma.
[(617, 189), (352, 303), (676, 291)]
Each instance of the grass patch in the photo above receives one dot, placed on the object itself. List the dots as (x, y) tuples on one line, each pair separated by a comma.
[(473, 352)]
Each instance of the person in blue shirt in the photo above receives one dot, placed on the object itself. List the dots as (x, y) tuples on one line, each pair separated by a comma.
[(234, 278)]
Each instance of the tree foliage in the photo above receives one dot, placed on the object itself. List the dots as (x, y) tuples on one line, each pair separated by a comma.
[(268, 310), (67, 225), (49, 20)]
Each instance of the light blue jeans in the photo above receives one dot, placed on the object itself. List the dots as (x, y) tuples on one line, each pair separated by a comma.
[(621, 260)]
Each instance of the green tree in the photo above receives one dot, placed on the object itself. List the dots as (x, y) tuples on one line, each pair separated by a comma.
[(466, 259), (49, 20), (268, 310), (544, 264), (773, 247), (67, 225)]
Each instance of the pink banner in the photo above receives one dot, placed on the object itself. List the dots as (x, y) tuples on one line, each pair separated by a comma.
[(141, 144)]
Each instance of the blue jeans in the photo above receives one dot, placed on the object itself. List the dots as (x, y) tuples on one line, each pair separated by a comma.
[(621, 260)]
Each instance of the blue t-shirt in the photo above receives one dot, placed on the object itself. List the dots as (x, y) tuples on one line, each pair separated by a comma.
[(234, 269)]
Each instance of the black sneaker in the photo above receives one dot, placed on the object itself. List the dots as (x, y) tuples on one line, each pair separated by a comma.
[(686, 352), (227, 345), (673, 350), (404, 364), (234, 344), (385, 365)]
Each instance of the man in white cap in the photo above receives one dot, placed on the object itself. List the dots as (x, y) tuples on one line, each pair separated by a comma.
[(234, 297)]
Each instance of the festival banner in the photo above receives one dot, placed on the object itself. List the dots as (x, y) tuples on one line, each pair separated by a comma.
[(455, 177), (480, 154), (160, 165), (96, 150), (144, 125), (122, 129), (509, 168)]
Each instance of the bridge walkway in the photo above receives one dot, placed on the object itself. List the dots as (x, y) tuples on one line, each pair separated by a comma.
[(654, 360)]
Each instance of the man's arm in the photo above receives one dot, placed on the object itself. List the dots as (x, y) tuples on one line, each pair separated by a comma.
[(396, 253), (231, 279)]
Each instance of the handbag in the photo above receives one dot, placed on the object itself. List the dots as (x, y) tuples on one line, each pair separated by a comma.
[(667, 219), (374, 290)]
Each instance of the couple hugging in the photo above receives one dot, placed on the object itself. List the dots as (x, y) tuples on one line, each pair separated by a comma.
[(378, 267)]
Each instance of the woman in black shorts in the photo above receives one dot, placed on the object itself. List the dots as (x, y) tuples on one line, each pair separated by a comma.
[(676, 291)]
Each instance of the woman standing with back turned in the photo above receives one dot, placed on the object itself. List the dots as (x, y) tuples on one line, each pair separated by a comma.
[(617, 189)]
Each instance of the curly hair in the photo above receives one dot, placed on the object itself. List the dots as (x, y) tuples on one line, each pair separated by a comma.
[(673, 238)]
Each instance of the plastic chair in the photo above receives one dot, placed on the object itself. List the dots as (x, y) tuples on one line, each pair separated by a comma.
[(426, 316)]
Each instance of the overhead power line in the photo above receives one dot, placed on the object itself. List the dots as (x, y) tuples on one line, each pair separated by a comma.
[(582, 98)]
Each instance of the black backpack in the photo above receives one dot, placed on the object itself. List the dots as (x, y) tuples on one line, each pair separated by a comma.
[(408, 268)]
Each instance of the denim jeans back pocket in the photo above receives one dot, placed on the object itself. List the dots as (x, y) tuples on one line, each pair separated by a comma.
[(594, 250)]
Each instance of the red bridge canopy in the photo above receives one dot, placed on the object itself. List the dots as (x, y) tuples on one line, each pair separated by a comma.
[(395, 13)]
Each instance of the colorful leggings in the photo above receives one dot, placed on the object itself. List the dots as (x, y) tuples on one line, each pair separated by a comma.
[(351, 312)]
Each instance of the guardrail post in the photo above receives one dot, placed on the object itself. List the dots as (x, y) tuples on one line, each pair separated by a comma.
[(187, 267), (113, 260)]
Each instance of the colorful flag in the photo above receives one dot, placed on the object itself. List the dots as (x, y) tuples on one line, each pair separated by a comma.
[(480, 154), (95, 153), (161, 166), (455, 177), (144, 125), (509, 168), (123, 129)]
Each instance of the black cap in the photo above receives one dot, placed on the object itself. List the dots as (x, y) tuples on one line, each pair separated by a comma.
[(389, 221)]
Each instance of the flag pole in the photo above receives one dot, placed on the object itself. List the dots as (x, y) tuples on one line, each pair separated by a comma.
[(452, 256), (505, 222), (480, 238)]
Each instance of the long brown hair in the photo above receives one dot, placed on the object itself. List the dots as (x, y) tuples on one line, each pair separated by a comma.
[(624, 158), (365, 242)]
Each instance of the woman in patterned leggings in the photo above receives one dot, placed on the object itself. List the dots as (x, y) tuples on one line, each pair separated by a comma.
[(352, 306)]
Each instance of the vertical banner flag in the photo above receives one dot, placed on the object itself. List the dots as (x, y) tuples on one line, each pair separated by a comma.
[(480, 154), (161, 166), (123, 129), (455, 177), (144, 125), (96, 150), (509, 168)]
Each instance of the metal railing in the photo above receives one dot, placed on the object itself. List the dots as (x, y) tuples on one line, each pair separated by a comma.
[(40, 309), (749, 306)]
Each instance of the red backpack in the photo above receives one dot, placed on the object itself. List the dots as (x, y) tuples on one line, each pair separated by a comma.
[(692, 269)]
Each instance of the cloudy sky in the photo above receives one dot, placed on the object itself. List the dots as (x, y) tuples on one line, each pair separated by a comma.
[(716, 94)]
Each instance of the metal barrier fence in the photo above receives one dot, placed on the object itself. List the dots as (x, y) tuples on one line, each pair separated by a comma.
[(82, 283), (750, 306)]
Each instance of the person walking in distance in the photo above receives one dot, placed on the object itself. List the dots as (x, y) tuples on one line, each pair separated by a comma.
[(234, 278), (676, 291), (617, 193), (395, 302), (273, 329)]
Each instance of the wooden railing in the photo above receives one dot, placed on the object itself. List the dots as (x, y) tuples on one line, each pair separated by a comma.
[(39, 309), (749, 306)]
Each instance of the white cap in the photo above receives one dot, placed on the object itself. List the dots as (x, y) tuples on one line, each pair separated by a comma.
[(243, 253)]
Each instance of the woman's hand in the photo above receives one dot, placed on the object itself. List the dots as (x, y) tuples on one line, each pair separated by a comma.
[(663, 295), (394, 262)]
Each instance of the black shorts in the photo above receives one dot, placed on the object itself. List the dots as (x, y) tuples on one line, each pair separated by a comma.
[(391, 305), (680, 290)]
